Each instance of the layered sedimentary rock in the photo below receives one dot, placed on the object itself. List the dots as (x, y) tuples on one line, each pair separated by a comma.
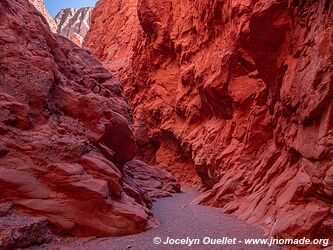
[(238, 93), (40, 6), (65, 137), (74, 23)]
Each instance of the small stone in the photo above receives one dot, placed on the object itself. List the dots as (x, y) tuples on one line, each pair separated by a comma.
[(62, 131), (5, 209)]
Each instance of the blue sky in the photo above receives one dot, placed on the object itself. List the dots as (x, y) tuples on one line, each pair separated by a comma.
[(54, 6)]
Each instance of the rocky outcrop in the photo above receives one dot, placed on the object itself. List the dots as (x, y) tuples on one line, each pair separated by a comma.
[(40, 6), (19, 231), (66, 135), (74, 23), (156, 182), (238, 93)]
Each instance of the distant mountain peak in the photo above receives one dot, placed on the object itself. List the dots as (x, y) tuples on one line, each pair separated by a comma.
[(74, 23)]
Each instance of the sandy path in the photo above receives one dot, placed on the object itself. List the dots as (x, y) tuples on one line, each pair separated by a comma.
[(179, 219)]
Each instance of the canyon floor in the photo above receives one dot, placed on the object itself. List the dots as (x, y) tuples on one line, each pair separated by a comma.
[(179, 218)]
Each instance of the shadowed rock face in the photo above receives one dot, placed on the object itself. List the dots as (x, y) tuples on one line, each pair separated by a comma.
[(74, 23), (238, 93), (65, 136)]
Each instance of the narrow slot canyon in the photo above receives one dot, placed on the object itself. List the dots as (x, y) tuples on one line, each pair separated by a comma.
[(136, 120)]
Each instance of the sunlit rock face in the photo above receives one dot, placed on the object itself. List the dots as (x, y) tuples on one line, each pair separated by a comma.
[(232, 95), (66, 137), (70, 22), (40, 6), (74, 23)]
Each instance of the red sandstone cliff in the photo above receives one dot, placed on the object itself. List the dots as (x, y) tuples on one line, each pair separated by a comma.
[(65, 140), (238, 93), (40, 6)]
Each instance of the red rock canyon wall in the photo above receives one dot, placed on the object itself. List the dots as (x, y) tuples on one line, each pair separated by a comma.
[(66, 140), (232, 95)]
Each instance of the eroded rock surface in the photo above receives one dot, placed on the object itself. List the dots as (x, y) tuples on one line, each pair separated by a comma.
[(65, 135), (238, 93), (74, 23)]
